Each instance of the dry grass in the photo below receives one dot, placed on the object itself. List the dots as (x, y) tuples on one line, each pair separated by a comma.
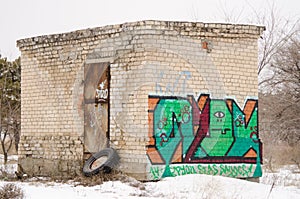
[(101, 177)]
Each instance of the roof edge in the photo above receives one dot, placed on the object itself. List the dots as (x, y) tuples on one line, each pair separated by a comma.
[(226, 28)]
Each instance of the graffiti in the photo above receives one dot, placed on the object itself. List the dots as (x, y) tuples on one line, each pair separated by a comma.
[(101, 92), (180, 81), (241, 170), (227, 170), (183, 130), (102, 88), (183, 170)]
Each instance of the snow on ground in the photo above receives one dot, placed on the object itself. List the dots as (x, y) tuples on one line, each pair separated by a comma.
[(9, 168), (189, 186), (203, 186), (283, 184), (288, 175)]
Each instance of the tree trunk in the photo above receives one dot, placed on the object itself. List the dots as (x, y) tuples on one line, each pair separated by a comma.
[(4, 151), (5, 158)]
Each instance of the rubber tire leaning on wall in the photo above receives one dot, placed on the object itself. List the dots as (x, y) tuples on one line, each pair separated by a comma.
[(106, 167)]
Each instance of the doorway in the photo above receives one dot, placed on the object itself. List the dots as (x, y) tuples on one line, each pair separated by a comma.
[(96, 107)]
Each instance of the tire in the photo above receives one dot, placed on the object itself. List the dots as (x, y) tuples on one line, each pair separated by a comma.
[(105, 160)]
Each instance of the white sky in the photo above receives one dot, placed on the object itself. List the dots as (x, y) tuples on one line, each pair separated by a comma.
[(27, 18)]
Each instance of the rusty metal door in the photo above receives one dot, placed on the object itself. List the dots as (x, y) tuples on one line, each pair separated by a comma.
[(96, 107)]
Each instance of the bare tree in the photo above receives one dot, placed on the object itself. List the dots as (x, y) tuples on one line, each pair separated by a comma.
[(278, 32), (286, 83), (286, 67), (280, 105), (279, 49)]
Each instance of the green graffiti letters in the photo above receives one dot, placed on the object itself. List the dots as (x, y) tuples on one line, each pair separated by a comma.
[(183, 170), (155, 172), (227, 170), (211, 131)]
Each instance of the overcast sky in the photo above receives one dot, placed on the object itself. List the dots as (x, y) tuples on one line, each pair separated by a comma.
[(27, 18)]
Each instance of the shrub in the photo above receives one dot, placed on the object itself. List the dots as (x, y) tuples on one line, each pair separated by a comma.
[(11, 191)]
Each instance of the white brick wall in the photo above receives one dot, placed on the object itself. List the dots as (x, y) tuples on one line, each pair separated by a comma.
[(147, 58)]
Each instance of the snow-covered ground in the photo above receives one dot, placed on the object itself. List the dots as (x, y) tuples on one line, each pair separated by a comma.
[(288, 175), (283, 184), (11, 167), (189, 186)]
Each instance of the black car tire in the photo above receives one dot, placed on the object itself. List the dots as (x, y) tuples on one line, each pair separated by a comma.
[(112, 160)]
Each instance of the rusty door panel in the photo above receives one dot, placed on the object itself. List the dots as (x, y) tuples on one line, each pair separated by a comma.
[(96, 107)]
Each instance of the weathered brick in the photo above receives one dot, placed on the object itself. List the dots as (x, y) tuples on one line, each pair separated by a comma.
[(146, 58)]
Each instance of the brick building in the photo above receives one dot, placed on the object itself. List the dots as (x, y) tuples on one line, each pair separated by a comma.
[(172, 98)]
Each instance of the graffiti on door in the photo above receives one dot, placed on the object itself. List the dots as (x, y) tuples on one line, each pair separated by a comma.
[(183, 130)]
